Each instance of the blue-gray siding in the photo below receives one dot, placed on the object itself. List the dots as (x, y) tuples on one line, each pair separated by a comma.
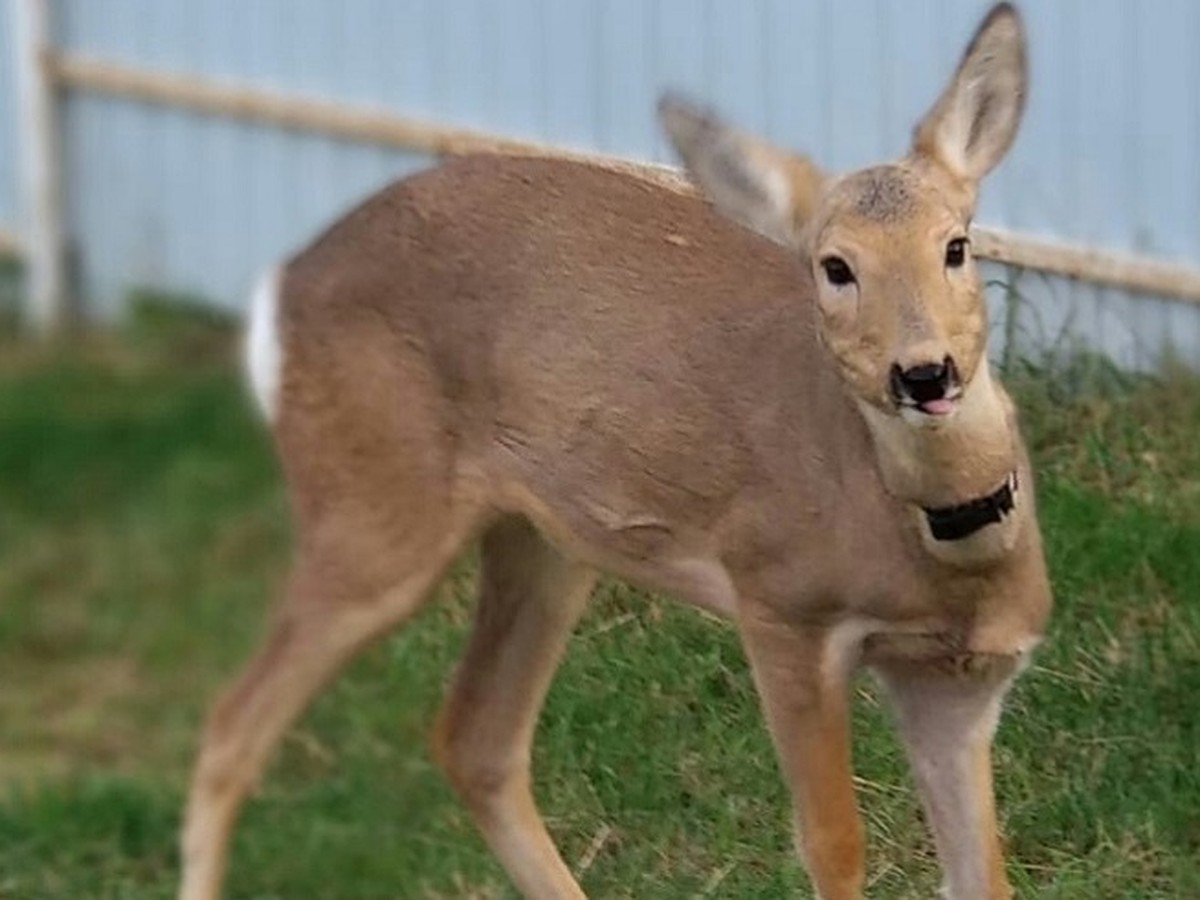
[(1109, 154), (9, 213)]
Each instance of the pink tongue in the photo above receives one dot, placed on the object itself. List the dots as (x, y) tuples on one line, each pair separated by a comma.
[(937, 407)]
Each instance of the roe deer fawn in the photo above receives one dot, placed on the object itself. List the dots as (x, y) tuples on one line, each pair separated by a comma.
[(592, 369)]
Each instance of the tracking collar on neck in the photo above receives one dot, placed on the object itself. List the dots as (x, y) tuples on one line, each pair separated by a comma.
[(953, 523)]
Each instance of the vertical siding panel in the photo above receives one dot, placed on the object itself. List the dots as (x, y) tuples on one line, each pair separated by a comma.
[(362, 167), (260, 150), (94, 169), (915, 76), (1125, 311), (1193, 116), (1097, 99), (734, 68), (315, 173), (186, 203), (73, 21), (517, 81), (358, 76), (1182, 325), (1043, 202), (387, 52), (824, 84), (10, 213), (1168, 177), (625, 67), (1081, 297), (794, 103), (855, 83), (884, 15), (679, 46), (409, 32), (238, 221), (570, 52), (215, 49), (462, 62), (265, 43)]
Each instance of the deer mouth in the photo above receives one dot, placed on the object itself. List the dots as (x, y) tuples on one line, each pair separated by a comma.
[(927, 390)]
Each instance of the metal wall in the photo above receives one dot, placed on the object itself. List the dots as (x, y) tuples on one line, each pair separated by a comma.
[(1109, 154), (9, 212)]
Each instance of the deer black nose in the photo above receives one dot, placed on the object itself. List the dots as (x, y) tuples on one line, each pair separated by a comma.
[(928, 381)]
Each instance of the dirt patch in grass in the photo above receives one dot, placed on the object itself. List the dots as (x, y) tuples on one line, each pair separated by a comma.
[(64, 719)]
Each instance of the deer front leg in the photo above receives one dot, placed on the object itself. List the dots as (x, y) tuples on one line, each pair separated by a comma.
[(803, 689), (946, 720)]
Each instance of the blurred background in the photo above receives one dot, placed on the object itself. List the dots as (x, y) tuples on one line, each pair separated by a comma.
[(154, 156)]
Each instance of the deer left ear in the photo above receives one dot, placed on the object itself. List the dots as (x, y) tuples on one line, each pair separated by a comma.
[(973, 123), (748, 179)]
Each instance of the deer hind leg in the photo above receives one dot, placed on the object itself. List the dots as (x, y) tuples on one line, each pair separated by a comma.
[(344, 591), (530, 600), (946, 721)]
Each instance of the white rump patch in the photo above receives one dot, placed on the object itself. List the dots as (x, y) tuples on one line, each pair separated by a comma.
[(263, 351)]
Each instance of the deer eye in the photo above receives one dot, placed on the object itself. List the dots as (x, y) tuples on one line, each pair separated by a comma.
[(956, 253), (837, 270)]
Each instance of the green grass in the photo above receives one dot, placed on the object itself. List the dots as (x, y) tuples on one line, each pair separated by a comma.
[(142, 530)]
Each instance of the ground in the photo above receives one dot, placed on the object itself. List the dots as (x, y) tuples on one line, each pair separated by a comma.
[(143, 530)]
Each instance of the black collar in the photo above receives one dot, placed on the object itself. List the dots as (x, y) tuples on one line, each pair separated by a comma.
[(953, 523)]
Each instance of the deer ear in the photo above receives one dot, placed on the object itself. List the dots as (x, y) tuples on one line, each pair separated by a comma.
[(761, 186), (973, 123)]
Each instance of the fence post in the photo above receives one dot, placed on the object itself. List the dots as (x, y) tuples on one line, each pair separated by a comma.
[(43, 237)]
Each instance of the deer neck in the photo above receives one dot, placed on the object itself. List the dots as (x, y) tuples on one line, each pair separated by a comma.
[(970, 458)]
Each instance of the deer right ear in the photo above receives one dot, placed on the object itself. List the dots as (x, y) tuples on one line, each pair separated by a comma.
[(764, 188), (974, 122)]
